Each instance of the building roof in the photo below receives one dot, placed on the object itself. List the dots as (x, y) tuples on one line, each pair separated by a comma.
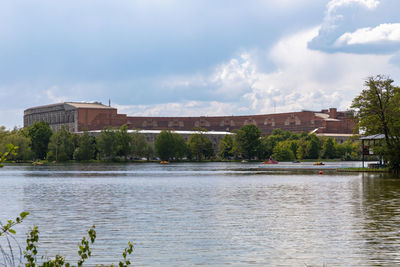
[(373, 137), (88, 105), (97, 105)]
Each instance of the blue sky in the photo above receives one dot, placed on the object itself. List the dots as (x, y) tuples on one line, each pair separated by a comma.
[(186, 58)]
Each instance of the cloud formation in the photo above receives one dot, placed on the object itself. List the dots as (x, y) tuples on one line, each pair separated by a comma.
[(387, 32), (359, 26), (187, 57), (303, 79)]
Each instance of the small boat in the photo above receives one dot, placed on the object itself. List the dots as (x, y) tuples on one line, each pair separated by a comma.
[(164, 162), (296, 161), (35, 163), (244, 161), (319, 163), (270, 162)]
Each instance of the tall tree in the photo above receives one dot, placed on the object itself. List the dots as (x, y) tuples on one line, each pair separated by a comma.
[(283, 151), (170, 145), (86, 149), (40, 133), (377, 112), (225, 147), (329, 149), (123, 142), (23, 143), (200, 146), (164, 145), (61, 145), (140, 147), (180, 148), (247, 140), (106, 144), (313, 147)]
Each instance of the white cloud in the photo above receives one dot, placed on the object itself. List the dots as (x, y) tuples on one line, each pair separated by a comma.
[(51, 95), (368, 24), (334, 4), (303, 79), (384, 32)]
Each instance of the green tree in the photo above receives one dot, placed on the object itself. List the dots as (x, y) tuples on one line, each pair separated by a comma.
[(40, 133), (106, 144), (283, 151), (180, 148), (11, 150), (348, 150), (247, 140), (17, 138), (377, 112), (148, 151), (61, 145), (270, 141), (200, 146), (170, 145), (302, 145), (86, 149), (164, 145), (329, 148), (313, 147), (123, 142), (226, 147), (140, 147)]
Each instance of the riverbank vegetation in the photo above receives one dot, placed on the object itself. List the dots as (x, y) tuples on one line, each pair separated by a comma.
[(14, 255), (39, 143)]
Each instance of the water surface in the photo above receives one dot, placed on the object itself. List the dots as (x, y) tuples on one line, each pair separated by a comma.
[(210, 214)]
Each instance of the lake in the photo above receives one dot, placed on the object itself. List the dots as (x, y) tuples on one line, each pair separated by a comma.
[(210, 214)]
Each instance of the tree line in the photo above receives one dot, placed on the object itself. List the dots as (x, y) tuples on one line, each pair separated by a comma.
[(285, 146), (38, 142)]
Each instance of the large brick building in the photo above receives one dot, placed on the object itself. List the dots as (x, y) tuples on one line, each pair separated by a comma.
[(78, 116)]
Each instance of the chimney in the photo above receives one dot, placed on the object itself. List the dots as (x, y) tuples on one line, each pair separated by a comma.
[(333, 113)]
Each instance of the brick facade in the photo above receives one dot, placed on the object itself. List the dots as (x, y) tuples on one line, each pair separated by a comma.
[(95, 116)]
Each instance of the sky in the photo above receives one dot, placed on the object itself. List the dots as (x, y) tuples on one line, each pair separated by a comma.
[(192, 58)]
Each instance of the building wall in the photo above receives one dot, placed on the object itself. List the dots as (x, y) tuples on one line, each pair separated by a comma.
[(304, 121), (90, 118), (97, 119), (56, 115)]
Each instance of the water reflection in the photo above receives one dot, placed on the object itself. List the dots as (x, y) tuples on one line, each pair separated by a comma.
[(380, 212), (209, 214)]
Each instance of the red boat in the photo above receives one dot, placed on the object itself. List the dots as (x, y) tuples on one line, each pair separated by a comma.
[(270, 162)]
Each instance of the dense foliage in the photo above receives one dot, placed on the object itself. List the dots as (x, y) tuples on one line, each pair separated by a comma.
[(377, 112), (40, 133), (285, 146), (121, 145), (170, 146), (200, 147), (247, 141)]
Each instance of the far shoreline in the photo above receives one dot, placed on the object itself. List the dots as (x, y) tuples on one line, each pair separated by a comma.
[(261, 167)]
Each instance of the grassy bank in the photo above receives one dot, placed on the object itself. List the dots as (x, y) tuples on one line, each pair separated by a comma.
[(363, 170)]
